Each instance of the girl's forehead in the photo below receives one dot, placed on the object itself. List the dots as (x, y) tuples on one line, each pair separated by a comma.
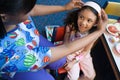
[(87, 12)]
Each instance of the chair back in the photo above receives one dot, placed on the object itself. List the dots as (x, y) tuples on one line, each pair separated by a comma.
[(113, 8)]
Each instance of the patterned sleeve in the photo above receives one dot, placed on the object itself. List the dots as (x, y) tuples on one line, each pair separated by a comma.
[(29, 61)]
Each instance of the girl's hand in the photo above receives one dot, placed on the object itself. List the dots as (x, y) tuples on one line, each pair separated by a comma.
[(69, 65), (74, 4), (103, 21), (67, 34)]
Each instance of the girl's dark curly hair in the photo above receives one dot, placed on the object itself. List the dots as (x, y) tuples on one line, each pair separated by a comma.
[(72, 17)]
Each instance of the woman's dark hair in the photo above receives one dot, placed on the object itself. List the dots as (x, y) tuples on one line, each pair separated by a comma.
[(72, 17), (14, 7)]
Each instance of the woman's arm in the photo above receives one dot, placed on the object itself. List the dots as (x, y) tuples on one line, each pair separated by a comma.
[(65, 49), (49, 9), (89, 47)]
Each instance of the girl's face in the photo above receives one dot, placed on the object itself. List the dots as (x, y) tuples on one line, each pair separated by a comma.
[(86, 20)]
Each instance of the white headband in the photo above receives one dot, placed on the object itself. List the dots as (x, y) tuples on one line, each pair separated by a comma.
[(93, 5)]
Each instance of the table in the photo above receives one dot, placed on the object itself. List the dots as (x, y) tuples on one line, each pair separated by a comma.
[(113, 56)]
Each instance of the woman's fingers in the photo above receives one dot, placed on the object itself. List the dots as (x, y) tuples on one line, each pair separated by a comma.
[(104, 15), (78, 3), (103, 20)]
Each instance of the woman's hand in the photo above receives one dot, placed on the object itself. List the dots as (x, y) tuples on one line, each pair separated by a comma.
[(103, 20), (74, 4)]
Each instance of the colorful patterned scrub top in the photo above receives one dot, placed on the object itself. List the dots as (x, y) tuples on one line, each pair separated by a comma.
[(20, 50)]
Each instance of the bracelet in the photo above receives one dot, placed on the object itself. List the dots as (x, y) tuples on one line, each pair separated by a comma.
[(76, 60)]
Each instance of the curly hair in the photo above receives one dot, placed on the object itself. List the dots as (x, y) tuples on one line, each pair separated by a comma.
[(72, 17)]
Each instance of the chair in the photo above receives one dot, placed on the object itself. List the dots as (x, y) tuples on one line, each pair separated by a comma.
[(113, 8), (55, 34)]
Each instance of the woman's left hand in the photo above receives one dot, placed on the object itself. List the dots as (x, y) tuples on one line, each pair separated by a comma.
[(74, 4), (103, 21)]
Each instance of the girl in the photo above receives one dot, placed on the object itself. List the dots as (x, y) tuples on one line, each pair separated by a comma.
[(19, 43), (79, 24)]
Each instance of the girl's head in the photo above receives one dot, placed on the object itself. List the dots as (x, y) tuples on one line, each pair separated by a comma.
[(85, 18)]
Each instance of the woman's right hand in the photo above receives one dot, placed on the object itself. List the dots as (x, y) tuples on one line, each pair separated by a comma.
[(103, 21), (74, 4)]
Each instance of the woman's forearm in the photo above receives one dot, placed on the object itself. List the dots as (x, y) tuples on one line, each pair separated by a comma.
[(65, 49), (46, 9), (49, 9), (89, 46)]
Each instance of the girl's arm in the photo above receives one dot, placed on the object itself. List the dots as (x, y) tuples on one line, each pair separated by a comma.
[(68, 34), (49, 9)]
